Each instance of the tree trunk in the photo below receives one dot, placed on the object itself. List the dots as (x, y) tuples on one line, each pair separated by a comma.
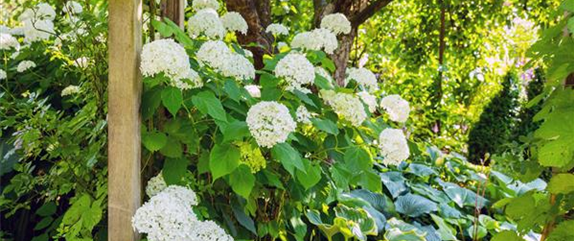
[(174, 10), (341, 55)]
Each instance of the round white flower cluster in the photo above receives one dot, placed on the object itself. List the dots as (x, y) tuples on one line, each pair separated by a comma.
[(253, 90), (303, 115), (201, 4), (70, 90), (168, 57), (3, 74), (345, 105), (81, 62), (73, 7), (394, 147), (364, 78), (297, 71), (269, 123), (336, 22), (277, 29), (206, 21), (316, 39), (397, 107), (369, 100), (168, 215), (233, 21), (7, 42), (218, 56), (155, 185), (37, 23), (25, 65)]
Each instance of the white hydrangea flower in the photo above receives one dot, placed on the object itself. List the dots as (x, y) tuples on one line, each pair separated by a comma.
[(209, 231), (44, 11), (206, 21), (183, 194), (296, 70), (316, 40), (364, 78), (36, 30), (324, 73), (73, 7), (155, 185), (394, 147), (270, 123), (238, 67), (202, 4), (253, 90), (233, 21), (218, 56), (25, 65), (70, 90), (4, 29), (3, 74), (397, 107), (369, 100), (167, 57), (347, 106), (336, 22), (7, 42), (81, 62), (277, 29), (282, 45), (303, 115)]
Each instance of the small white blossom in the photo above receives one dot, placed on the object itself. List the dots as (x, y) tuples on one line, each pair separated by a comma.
[(369, 100), (253, 90), (337, 23), (364, 78), (167, 57), (303, 115), (209, 231), (7, 42), (296, 70), (81, 62), (238, 67), (73, 7), (269, 123), (394, 147), (397, 107), (70, 90), (155, 185), (347, 106), (233, 21), (25, 65), (277, 29), (202, 4), (316, 40), (2, 74), (206, 21)]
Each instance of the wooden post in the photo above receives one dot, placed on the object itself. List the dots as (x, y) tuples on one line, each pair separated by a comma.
[(174, 10), (124, 89)]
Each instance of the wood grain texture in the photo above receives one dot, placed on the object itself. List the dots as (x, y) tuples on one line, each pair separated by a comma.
[(124, 90)]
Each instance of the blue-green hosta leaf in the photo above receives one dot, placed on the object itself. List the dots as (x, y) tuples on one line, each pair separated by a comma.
[(445, 231), (429, 192), (448, 212), (414, 205), (378, 201), (462, 196), (357, 220), (421, 170), (432, 233), (398, 230), (394, 182)]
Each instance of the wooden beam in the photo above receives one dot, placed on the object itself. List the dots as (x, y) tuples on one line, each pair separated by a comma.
[(124, 90), (174, 10)]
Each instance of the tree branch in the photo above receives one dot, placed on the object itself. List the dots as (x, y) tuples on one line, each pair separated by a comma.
[(362, 16)]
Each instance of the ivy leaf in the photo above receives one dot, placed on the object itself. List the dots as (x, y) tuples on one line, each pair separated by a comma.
[(561, 184), (312, 177), (171, 98), (326, 125), (207, 103), (289, 158), (174, 170), (223, 160), (414, 205), (153, 141), (242, 181)]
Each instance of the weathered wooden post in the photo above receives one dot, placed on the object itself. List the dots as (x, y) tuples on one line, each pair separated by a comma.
[(124, 89), (174, 10)]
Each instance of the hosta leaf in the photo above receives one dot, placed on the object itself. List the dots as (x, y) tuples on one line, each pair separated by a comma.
[(421, 170), (394, 182), (414, 205), (398, 230)]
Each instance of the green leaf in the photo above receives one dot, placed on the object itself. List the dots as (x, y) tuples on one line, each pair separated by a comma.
[(171, 98), (242, 218), (445, 231), (45, 222), (242, 181), (153, 141), (358, 160), (151, 100), (75, 211), (91, 217), (162, 28), (567, 5), (414, 205), (371, 180), (172, 149), (562, 232), (289, 158), (174, 170), (561, 183), (312, 177), (223, 160), (303, 97), (394, 182), (232, 90), (235, 131), (571, 25), (207, 103), (328, 64), (507, 235), (326, 125), (268, 80), (47, 209)]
